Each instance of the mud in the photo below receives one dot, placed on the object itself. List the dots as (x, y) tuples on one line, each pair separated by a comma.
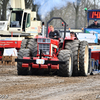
[(14, 87)]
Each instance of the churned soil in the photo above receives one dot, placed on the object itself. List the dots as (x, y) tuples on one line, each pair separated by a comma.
[(14, 87)]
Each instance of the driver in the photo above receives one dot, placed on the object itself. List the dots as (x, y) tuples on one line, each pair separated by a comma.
[(53, 33)]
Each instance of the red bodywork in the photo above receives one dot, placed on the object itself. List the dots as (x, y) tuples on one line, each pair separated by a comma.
[(40, 66), (95, 52), (96, 56), (1, 53), (9, 44), (68, 39), (52, 54)]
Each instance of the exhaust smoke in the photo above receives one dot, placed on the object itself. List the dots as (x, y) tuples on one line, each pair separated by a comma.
[(46, 6)]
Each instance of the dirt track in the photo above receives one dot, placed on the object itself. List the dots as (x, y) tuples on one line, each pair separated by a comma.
[(14, 87)]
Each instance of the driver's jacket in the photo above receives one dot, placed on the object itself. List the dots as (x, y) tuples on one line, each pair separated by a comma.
[(55, 33), (94, 26)]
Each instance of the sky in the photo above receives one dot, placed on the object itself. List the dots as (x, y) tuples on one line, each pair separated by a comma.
[(47, 6)]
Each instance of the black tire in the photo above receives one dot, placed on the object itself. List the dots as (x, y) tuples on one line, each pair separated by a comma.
[(83, 58), (24, 43), (21, 70), (67, 68), (99, 67), (74, 46), (32, 46)]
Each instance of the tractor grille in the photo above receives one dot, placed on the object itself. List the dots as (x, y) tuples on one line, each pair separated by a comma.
[(45, 48), (43, 40)]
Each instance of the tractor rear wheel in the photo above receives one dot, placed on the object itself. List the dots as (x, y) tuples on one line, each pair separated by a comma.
[(74, 47), (32, 46), (21, 70), (67, 68), (24, 43), (83, 58)]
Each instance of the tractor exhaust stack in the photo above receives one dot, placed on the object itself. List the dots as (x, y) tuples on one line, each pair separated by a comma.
[(43, 29)]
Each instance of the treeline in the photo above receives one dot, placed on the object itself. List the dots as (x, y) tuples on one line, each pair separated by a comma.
[(73, 13)]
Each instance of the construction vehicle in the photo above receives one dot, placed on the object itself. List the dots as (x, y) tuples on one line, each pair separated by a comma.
[(66, 56), (22, 25)]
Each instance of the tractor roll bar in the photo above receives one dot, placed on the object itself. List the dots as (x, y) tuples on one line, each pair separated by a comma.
[(56, 18)]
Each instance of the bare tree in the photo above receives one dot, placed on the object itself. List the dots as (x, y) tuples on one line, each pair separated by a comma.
[(94, 4), (3, 9), (30, 4), (76, 6), (89, 4)]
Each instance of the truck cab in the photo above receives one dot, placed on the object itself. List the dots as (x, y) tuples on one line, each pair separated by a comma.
[(23, 20), (21, 26)]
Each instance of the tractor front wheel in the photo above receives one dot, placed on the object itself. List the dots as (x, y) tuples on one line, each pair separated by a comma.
[(67, 68), (21, 70)]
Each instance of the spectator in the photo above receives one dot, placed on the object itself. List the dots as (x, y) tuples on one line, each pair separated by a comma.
[(95, 24)]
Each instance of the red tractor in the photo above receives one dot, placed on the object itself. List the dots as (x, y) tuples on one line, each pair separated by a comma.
[(65, 56)]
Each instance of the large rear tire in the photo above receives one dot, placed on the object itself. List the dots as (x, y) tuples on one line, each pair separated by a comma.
[(74, 47), (24, 43), (21, 70), (32, 46), (83, 58), (67, 68)]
